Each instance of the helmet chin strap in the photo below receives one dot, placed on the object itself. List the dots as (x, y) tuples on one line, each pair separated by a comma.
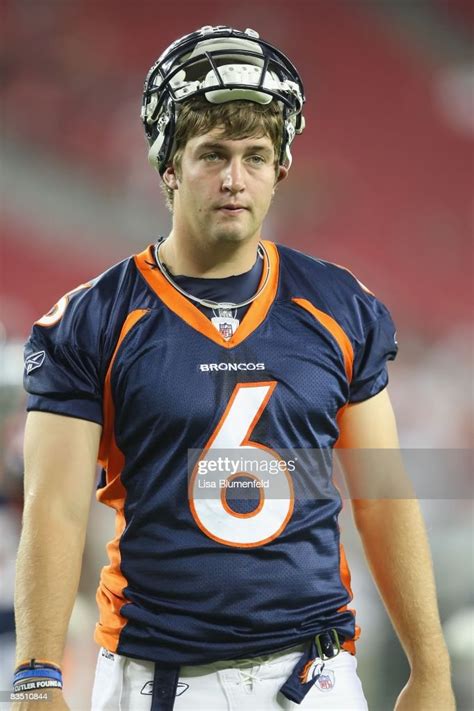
[(155, 148)]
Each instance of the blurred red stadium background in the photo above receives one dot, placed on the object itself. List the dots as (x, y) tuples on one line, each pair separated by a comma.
[(381, 183), (382, 177)]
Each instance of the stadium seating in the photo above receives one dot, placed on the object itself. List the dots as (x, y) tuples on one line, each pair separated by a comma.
[(382, 182)]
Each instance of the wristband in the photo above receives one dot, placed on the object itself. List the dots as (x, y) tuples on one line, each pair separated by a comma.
[(37, 673), (36, 684), (37, 664)]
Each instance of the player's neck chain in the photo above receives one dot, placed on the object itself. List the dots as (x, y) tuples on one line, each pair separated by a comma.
[(224, 313)]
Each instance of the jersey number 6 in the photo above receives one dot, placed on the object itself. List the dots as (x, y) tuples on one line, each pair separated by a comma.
[(230, 456)]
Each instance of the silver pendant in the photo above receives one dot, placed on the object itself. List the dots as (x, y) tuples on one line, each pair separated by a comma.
[(225, 310)]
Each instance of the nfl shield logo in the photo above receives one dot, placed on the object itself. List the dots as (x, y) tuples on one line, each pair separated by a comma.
[(226, 329), (326, 681)]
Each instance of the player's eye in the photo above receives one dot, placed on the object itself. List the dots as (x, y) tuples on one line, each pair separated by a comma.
[(211, 157), (256, 159)]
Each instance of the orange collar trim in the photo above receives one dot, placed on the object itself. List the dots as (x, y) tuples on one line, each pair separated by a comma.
[(188, 312)]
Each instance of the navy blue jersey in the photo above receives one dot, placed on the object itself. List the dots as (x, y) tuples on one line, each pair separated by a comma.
[(191, 578)]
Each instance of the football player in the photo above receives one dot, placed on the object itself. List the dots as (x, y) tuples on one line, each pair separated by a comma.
[(212, 375)]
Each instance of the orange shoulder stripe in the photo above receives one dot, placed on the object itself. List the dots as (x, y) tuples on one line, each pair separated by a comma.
[(336, 331), (109, 411)]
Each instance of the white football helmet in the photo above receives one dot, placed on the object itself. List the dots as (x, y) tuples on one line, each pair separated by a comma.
[(222, 64)]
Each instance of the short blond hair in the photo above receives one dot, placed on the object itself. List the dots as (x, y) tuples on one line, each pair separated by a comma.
[(237, 119)]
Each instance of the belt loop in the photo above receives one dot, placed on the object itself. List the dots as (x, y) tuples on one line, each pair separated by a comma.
[(328, 644), (165, 682)]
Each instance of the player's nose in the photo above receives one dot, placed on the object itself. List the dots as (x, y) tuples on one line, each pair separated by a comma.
[(233, 178)]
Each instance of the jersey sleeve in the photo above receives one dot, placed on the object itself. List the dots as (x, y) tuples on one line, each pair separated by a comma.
[(369, 326), (64, 358), (364, 320), (375, 344)]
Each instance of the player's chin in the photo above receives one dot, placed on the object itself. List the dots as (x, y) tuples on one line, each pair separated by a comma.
[(234, 234)]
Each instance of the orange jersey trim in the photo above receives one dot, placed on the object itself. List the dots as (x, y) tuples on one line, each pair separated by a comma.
[(344, 570), (349, 644), (109, 596), (189, 313), (336, 331), (362, 286)]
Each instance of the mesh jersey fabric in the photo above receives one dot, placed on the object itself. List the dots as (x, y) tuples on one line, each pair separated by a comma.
[(126, 352)]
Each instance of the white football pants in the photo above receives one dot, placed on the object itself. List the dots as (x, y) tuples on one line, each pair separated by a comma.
[(125, 684)]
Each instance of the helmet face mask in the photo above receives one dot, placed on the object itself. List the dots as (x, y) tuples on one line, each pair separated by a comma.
[(221, 64)]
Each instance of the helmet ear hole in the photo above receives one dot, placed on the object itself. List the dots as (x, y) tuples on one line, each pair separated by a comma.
[(161, 148), (167, 145), (289, 132), (301, 124)]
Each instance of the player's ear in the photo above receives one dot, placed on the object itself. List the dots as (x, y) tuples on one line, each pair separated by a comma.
[(281, 174), (170, 177)]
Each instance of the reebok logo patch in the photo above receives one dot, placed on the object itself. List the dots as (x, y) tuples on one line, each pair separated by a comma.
[(182, 687), (35, 360), (147, 689)]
